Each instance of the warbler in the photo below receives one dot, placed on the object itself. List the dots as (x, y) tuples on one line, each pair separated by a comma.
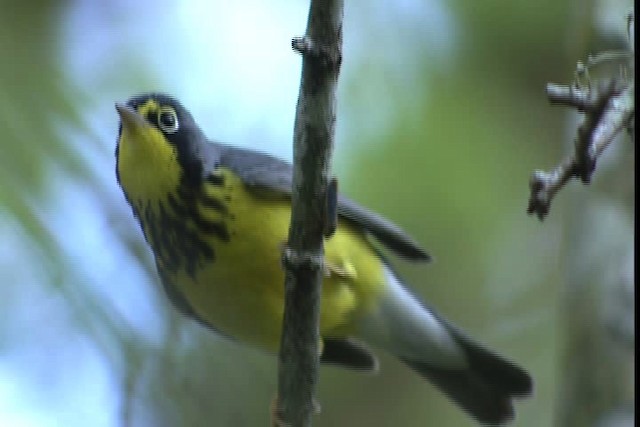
[(216, 217)]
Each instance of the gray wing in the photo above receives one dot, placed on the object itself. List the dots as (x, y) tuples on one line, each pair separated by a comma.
[(267, 172)]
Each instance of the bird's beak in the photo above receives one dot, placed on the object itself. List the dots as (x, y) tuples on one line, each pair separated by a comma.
[(131, 120)]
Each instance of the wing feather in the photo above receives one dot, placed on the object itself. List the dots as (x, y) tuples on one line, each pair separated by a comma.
[(263, 171)]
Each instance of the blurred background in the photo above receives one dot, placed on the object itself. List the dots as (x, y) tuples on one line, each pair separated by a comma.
[(442, 117)]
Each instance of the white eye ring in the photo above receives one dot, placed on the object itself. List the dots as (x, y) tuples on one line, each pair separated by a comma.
[(168, 120)]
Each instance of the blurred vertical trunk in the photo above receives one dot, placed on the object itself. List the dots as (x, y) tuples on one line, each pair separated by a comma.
[(596, 375), (597, 372)]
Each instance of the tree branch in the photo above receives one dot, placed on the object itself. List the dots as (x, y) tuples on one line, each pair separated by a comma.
[(312, 212), (608, 110)]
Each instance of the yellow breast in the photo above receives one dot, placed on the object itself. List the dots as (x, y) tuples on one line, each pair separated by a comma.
[(239, 290)]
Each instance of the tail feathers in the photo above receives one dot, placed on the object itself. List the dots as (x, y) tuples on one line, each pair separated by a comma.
[(485, 388), (481, 382)]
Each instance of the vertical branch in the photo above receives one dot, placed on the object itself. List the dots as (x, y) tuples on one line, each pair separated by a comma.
[(597, 359), (310, 213)]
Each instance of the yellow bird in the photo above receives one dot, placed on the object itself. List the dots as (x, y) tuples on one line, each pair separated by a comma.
[(216, 216)]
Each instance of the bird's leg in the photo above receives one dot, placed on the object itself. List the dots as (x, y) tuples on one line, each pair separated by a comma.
[(345, 270)]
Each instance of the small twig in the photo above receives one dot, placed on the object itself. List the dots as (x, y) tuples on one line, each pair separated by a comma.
[(324, 55), (572, 96), (608, 110), (304, 46)]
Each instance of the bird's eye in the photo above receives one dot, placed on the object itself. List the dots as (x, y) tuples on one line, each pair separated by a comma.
[(168, 120)]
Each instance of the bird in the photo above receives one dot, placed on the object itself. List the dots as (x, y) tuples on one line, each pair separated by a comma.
[(216, 216)]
